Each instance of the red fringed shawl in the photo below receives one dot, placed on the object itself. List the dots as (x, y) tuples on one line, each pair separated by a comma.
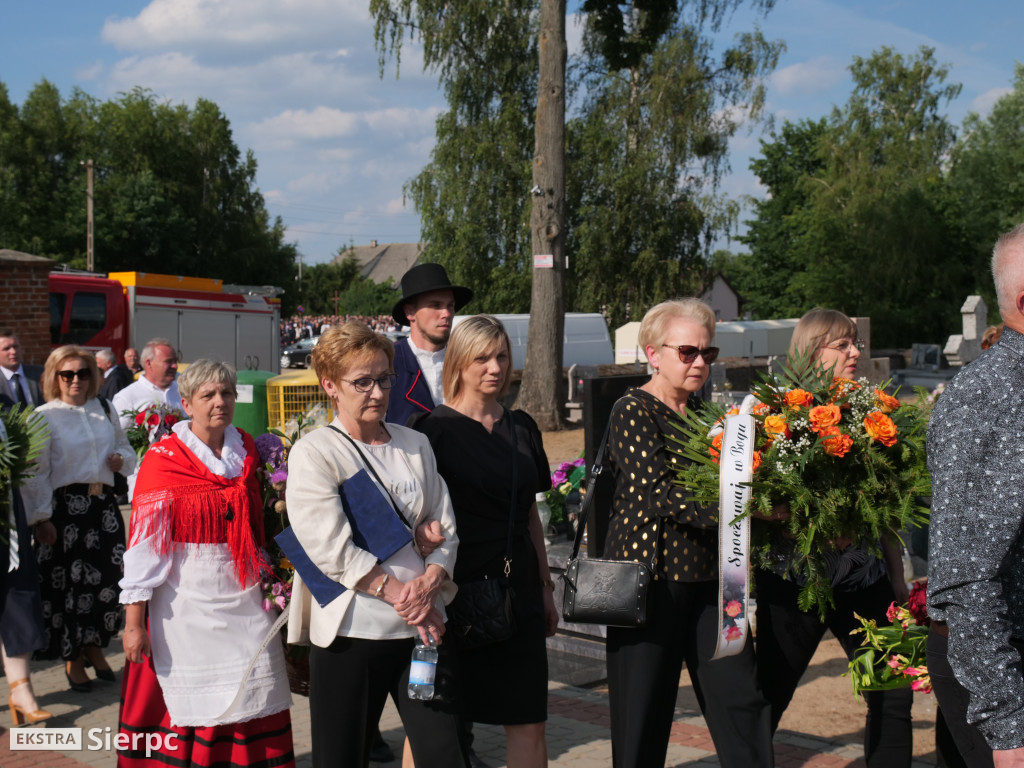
[(179, 500)]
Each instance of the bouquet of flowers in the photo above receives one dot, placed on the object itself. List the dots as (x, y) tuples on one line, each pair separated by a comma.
[(273, 475), (845, 457), (149, 424), (894, 656), (564, 481), (24, 436)]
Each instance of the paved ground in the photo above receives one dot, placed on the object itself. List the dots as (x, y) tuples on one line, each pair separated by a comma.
[(577, 731)]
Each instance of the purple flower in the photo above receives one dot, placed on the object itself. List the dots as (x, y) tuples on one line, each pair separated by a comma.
[(280, 602), (271, 449), (280, 475), (558, 477), (579, 462)]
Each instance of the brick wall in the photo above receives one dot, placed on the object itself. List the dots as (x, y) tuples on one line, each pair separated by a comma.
[(25, 302)]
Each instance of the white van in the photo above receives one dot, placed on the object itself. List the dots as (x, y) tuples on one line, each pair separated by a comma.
[(585, 342)]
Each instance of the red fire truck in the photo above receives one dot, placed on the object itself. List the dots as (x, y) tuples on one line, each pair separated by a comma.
[(201, 317)]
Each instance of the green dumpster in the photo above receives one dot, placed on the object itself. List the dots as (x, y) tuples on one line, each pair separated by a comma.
[(251, 405)]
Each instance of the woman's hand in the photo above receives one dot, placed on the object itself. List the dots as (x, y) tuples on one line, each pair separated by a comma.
[(431, 627), (46, 532), (550, 612), (115, 462), (428, 537), (418, 595), (136, 643)]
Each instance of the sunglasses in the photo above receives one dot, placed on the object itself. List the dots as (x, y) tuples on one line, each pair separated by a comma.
[(81, 374), (365, 384), (688, 353)]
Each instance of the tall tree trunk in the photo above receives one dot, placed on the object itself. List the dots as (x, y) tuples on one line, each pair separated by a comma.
[(542, 373)]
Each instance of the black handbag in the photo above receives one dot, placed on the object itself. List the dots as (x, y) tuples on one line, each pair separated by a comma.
[(481, 613), (612, 592)]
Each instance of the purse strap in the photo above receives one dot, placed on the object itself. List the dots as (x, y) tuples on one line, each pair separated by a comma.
[(373, 472), (589, 500), (514, 494)]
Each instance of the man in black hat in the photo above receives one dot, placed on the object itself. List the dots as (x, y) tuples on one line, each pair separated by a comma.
[(428, 305)]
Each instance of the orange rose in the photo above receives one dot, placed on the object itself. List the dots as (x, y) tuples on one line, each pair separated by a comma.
[(776, 425), (716, 447), (797, 397), (842, 387), (734, 411), (880, 428), (761, 408), (835, 442), (822, 416), (885, 403), (757, 460)]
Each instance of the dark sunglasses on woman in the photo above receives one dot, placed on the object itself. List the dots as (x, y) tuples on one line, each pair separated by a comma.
[(688, 353), (81, 373)]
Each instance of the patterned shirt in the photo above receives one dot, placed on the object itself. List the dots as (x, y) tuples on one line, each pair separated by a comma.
[(976, 547), (648, 506)]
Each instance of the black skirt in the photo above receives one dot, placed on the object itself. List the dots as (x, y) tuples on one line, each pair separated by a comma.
[(79, 574)]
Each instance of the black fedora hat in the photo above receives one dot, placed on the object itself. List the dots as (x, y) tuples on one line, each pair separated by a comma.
[(424, 278)]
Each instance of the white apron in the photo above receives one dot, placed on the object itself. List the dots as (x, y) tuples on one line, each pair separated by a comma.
[(205, 630)]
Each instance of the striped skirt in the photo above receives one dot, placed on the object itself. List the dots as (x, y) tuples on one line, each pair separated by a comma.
[(150, 740)]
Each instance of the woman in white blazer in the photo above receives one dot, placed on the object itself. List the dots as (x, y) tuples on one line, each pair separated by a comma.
[(362, 640)]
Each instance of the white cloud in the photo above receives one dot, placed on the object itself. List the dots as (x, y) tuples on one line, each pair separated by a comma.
[(983, 103), (815, 76), (397, 205), (318, 123), (311, 182)]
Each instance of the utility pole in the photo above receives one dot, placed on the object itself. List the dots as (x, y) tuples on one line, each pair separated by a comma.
[(90, 260)]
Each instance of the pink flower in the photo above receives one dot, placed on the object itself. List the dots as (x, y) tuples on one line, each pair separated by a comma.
[(266, 604), (280, 602), (733, 633), (733, 608), (924, 685), (893, 611)]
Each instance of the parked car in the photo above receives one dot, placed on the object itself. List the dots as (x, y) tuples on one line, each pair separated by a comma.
[(298, 355)]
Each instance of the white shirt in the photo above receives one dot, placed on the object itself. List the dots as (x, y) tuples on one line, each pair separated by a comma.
[(26, 397), (432, 364), (81, 438)]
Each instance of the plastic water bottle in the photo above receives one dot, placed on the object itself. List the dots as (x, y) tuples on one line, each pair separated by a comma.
[(422, 670)]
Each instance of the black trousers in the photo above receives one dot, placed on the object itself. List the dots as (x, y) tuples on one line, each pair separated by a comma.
[(349, 681), (787, 638), (644, 665), (953, 699)]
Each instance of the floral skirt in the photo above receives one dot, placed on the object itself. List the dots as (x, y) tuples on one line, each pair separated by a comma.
[(79, 573)]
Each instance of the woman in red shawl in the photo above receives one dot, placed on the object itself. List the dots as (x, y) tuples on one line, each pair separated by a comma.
[(200, 691)]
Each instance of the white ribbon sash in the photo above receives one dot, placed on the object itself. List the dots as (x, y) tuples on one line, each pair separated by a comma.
[(737, 467)]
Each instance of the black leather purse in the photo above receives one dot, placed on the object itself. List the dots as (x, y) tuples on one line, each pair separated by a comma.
[(612, 592), (481, 613)]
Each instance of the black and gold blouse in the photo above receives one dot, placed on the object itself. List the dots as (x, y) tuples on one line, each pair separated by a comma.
[(649, 509)]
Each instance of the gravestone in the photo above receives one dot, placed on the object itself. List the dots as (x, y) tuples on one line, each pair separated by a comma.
[(964, 347)]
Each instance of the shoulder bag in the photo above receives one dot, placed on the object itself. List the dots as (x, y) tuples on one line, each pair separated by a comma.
[(481, 613), (612, 592)]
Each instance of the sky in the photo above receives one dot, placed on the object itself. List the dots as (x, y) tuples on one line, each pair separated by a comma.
[(335, 141)]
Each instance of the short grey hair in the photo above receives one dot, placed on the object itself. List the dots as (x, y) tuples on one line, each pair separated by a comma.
[(106, 356), (203, 371), (149, 351), (654, 326), (1008, 269)]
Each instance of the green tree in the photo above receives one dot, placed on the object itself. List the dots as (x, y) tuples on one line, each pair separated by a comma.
[(173, 193), (646, 154), (986, 180), (875, 235)]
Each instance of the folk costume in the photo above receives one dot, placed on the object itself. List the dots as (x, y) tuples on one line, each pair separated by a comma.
[(195, 557)]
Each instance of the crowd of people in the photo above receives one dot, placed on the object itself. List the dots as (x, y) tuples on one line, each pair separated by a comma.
[(298, 327), (422, 445)]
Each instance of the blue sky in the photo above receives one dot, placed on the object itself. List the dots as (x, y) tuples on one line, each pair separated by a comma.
[(335, 142)]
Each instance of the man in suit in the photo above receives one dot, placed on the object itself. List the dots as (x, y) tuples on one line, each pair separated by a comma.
[(19, 382), (115, 377), (428, 304)]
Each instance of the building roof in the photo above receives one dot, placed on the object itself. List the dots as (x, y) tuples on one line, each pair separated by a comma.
[(380, 261)]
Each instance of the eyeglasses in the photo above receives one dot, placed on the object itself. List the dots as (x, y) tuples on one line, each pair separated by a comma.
[(81, 373), (365, 384), (688, 353), (844, 345)]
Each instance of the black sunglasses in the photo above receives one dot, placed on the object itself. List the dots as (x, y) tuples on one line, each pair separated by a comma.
[(688, 353), (81, 373), (365, 384)]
